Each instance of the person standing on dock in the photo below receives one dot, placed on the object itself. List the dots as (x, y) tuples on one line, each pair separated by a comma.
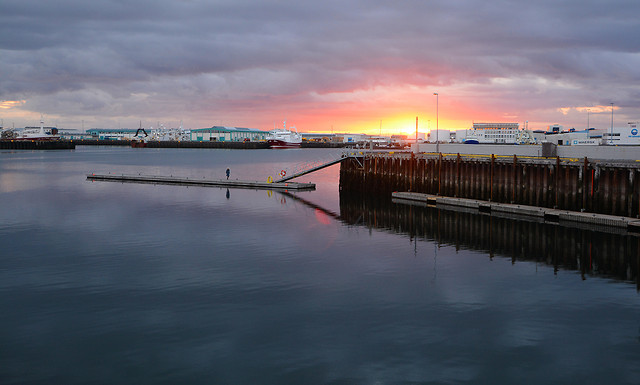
[(228, 173)]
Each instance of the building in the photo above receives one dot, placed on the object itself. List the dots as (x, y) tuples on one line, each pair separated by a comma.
[(624, 136), (317, 137), (440, 136), (572, 137), (497, 133), (228, 134), (112, 134), (72, 134)]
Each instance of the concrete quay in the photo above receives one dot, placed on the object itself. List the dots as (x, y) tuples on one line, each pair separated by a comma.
[(548, 150)]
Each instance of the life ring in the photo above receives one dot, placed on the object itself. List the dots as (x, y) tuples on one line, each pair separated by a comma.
[(283, 173), (269, 179)]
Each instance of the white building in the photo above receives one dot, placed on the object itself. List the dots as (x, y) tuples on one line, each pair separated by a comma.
[(498, 133), (441, 136), (625, 136)]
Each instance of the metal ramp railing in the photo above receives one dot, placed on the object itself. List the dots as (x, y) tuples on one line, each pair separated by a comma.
[(309, 167)]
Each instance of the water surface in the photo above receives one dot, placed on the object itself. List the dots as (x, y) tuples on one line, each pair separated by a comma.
[(121, 283)]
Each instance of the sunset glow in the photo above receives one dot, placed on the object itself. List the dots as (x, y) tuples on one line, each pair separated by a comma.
[(8, 104)]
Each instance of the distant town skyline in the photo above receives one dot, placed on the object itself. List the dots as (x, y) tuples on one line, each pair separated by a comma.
[(343, 66)]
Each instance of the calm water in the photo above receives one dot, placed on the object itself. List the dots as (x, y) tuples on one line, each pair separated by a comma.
[(112, 283)]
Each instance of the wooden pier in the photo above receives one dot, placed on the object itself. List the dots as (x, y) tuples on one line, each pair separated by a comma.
[(185, 181), (581, 185)]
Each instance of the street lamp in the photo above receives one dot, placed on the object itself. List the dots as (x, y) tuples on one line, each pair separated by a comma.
[(588, 110), (437, 141), (611, 134)]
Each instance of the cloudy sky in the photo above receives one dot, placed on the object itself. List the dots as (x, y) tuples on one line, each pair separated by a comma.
[(341, 65)]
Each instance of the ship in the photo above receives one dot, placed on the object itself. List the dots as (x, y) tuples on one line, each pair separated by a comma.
[(41, 133), (284, 138), (139, 140)]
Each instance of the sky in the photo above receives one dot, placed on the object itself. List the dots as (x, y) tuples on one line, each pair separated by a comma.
[(367, 66)]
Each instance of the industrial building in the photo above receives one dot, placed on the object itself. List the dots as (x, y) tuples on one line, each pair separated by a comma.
[(112, 134), (228, 134)]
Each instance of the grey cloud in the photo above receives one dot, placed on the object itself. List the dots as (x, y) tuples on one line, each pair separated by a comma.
[(291, 48)]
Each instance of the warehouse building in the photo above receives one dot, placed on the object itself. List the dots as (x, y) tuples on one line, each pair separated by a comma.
[(228, 134)]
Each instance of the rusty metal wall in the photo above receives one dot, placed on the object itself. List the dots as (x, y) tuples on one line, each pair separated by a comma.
[(569, 184)]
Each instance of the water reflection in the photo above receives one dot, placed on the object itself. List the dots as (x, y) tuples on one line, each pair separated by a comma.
[(601, 252)]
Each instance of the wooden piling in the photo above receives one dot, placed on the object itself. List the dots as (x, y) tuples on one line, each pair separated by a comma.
[(582, 185)]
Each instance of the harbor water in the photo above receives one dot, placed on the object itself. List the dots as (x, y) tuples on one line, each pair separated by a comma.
[(125, 283)]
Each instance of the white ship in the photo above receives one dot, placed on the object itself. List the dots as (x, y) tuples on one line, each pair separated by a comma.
[(38, 133), (284, 138)]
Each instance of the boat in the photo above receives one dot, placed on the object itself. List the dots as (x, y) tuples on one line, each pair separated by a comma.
[(163, 134), (139, 140), (38, 133), (284, 138)]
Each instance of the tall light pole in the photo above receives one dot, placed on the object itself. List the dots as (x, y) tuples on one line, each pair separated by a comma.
[(611, 134), (437, 141), (588, 110)]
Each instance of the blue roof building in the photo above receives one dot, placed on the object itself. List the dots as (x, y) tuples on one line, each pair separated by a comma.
[(228, 134)]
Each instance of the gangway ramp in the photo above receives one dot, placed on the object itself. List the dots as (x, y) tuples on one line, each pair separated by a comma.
[(310, 167)]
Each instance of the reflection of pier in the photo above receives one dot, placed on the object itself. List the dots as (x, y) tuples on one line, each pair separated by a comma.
[(311, 205), (613, 254)]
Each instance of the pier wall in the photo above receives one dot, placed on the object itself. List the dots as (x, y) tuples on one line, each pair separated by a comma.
[(36, 145), (569, 184)]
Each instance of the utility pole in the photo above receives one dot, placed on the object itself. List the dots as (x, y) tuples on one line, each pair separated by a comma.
[(437, 126), (611, 134)]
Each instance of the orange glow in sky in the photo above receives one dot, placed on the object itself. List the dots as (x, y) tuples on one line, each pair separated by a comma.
[(8, 104)]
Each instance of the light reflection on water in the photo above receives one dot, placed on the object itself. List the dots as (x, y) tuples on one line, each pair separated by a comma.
[(134, 283)]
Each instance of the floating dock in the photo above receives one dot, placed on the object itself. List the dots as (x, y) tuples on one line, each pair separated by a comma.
[(543, 213), (229, 183)]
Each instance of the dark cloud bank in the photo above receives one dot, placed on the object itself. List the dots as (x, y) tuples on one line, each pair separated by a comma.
[(208, 58)]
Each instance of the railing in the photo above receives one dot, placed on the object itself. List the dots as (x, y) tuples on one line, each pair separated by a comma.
[(308, 167)]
